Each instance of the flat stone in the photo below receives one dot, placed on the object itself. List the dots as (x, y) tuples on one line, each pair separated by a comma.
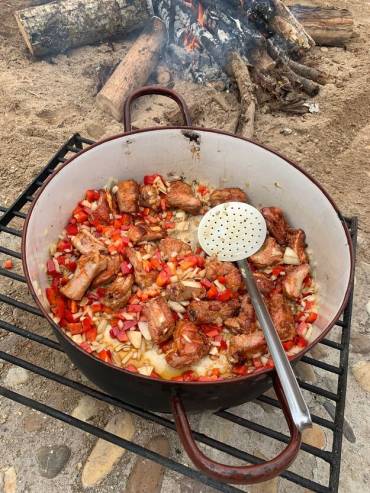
[(52, 459), (146, 475), (361, 372), (347, 428), (305, 372), (33, 422), (314, 436), (104, 455), (10, 480), (360, 343), (286, 131), (16, 376), (86, 408)]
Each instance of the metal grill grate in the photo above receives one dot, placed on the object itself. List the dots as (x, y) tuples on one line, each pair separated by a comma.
[(17, 213)]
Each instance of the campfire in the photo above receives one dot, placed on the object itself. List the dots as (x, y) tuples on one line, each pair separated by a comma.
[(256, 48)]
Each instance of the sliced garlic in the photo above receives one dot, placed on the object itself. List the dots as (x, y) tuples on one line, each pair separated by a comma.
[(177, 307), (192, 284), (134, 337)]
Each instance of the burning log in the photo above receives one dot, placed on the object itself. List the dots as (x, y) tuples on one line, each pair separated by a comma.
[(134, 70), (57, 26)]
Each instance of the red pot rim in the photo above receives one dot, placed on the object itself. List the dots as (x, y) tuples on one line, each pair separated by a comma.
[(171, 382)]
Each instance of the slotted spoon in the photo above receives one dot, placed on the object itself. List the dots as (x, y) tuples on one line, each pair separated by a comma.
[(233, 232)]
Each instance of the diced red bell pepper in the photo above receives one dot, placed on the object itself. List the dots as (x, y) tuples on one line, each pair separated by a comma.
[(212, 292), (75, 328), (223, 345), (92, 195), (129, 324), (72, 229), (155, 263), (91, 334), (188, 262), (64, 245), (240, 370), (189, 376), (211, 330), (126, 268), (71, 265), (96, 307), (61, 259), (8, 264), (307, 281), (210, 378), (222, 279), (162, 279), (105, 355), (179, 378), (202, 189), (270, 363), (100, 292), (131, 368), (51, 295), (154, 374), (169, 225), (68, 316), (50, 267), (276, 271), (134, 308), (149, 179), (86, 347), (225, 295), (164, 204), (206, 283), (308, 305), (287, 345), (59, 307), (257, 363), (81, 216), (311, 318), (302, 329), (74, 306), (87, 324), (301, 341)]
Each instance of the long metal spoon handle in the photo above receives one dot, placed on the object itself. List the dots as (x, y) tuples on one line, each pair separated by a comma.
[(298, 407)]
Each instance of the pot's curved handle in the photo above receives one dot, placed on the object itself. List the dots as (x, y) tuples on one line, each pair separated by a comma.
[(161, 91), (250, 474)]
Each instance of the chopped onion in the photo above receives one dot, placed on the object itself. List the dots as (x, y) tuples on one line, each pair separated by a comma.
[(134, 337), (126, 357), (145, 370), (191, 284), (176, 306), (290, 257), (220, 286), (144, 329)]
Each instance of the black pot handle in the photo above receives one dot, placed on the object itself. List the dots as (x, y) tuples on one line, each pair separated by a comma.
[(250, 474), (148, 90)]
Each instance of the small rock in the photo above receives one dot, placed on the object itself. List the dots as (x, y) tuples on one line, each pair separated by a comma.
[(16, 376), (52, 459), (105, 454), (360, 343), (10, 480), (86, 408), (33, 422), (286, 131), (347, 428), (3, 418), (314, 436), (361, 372), (368, 307), (305, 372), (146, 475), (324, 49)]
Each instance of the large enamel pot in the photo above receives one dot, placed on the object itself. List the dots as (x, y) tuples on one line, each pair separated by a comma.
[(222, 160)]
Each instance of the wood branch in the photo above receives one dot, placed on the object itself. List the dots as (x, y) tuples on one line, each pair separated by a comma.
[(134, 70), (329, 26), (163, 75), (308, 86), (55, 27), (240, 71)]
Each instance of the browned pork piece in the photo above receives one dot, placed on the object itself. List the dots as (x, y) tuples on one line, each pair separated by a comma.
[(112, 269), (264, 283), (142, 278), (144, 232), (276, 224), (149, 197), (282, 316), (118, 293), (245, 322), (171, 247), (293, 280), (128, 196), (180, 196), (86, 243), (88, 267), (185, 290), (102, 213), (270, 254), (297, 242), (160, 319), (222, 195), (189, 345), (212, 312), (215, 269), (246, 346)]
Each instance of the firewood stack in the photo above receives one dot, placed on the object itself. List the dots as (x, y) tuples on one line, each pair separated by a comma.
[(257, 45)]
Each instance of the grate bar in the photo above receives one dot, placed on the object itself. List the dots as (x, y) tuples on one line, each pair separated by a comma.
[(12, 275), (20, 305), (30, 335), (317, 390), (16, 214), (11, 231), (333, 344), (322, 365), (11, 253)]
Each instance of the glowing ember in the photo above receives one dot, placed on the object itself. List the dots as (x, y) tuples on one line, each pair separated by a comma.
[(200, 18), (190, 42)]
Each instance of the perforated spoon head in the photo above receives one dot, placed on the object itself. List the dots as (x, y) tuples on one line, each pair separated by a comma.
[(232, 231)]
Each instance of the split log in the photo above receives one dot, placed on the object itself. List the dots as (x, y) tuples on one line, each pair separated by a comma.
[(55, 27), (328, 26), (134, 70), (240, 71)]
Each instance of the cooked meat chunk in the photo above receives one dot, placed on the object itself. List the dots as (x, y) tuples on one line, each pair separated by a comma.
[(142, 278), (276, 224), (223, 195), (112, 269), (180, 196), (245, 322), (281, 315), (189, 345), (160, 319), (216, 269), (86, 243), (297, 242), (101, 213), (264, 283), (212, 312), (128, 196), (88, 267), (293, 281), (149, 197), (185, 292), (118, 293), (171, 247), (270, 254), (143, 232), (246, 346)]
